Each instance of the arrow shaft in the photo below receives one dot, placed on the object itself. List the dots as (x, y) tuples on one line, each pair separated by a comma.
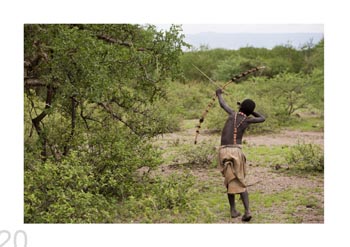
[(211, 80)]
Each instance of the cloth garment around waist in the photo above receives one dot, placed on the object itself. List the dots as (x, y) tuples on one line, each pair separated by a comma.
[(232, 165)]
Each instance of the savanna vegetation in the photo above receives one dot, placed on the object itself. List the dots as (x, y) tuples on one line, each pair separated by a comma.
[(109, 113)]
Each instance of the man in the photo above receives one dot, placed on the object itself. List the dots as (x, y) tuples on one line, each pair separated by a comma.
[(232, 161)]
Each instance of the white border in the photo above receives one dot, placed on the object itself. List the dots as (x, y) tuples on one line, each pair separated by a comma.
[(333, 15)]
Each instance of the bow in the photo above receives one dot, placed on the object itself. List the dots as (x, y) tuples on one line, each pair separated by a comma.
[(233, 79)]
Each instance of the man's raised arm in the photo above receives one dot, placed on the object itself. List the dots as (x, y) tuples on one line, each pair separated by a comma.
[(222, 102)]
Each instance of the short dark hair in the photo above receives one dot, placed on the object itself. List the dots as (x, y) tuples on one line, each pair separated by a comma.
[(247, 106)]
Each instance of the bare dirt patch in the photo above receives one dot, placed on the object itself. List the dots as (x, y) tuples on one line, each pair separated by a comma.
[(287, 137)]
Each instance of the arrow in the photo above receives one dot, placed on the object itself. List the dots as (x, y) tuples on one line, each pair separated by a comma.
[(211, 80)]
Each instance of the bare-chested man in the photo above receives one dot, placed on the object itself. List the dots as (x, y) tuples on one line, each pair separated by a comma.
[(232, 161)]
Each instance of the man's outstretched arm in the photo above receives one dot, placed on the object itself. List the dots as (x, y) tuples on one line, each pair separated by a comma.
[(222, 102)]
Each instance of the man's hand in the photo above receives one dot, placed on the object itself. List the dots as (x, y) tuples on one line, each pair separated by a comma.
[(218, 91)]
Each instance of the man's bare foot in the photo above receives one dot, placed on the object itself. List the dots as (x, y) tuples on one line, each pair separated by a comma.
[(235, 213), (247, 217)]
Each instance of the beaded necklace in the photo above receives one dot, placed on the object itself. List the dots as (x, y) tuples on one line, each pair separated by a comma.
[(235, 126)]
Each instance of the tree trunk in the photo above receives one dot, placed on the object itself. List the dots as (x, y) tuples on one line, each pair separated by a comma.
[(74, 105), (37, 121)]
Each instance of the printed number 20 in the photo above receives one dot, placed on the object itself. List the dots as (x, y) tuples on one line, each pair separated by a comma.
[(8, 236)]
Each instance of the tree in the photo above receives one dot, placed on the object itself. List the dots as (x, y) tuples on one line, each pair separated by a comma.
[(86, 74), (290, 92), (318, 55), (91, 97), (234, 65)]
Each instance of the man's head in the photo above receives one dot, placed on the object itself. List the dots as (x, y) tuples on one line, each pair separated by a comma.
[(247, 106)]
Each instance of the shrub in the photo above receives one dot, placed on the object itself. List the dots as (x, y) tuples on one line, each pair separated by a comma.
[(116, 156), (64, 193), (233, 66), (205, 59), (306, 157), (162, 198), (84, 186), (202, 154), (175, 191), (186, 100)]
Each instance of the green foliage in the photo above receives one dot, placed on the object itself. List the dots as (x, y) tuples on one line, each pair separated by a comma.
[(292, 83), (313, 57), (92, 100), (206, 60), (175, 191), (165, 199), (315, 89), (232, 66), (202, 154), (187, 99), (288, 93), (284, 59), (280, 99), (84, 186), (222, 64), (73, 72), (306, 157), (64, 193), (96, 94), (171, 113), (116, 156)]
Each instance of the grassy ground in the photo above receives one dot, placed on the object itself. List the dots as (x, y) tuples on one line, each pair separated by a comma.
[(278, 194)]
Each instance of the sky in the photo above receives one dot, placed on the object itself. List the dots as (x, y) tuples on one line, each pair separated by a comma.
[(236, 36), (248, 28)]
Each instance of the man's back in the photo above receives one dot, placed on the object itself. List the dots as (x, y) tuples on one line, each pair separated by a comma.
[(227, 135)]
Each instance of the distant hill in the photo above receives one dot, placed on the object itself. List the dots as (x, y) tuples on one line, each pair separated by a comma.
[(234, 41)]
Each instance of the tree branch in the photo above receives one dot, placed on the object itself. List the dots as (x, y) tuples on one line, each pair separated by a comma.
[(36, 121), (112, 40), (115, 116), (74, 104), (33, 82)]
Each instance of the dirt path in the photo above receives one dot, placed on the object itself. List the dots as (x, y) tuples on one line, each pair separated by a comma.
[(287, 137)]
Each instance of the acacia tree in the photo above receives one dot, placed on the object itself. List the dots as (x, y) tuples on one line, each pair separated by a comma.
[(290, 92), (77, 76)]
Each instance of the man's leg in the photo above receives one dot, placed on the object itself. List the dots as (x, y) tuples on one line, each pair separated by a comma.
[(234, 212), (247, 216)]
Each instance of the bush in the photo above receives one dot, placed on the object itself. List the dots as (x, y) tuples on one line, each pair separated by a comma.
[(163, 198), (116, 155), (175, 191), (306, 157), (206, 60), (64, 193), (84, 186), (186, 100), (233, 66), (202, 154)]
